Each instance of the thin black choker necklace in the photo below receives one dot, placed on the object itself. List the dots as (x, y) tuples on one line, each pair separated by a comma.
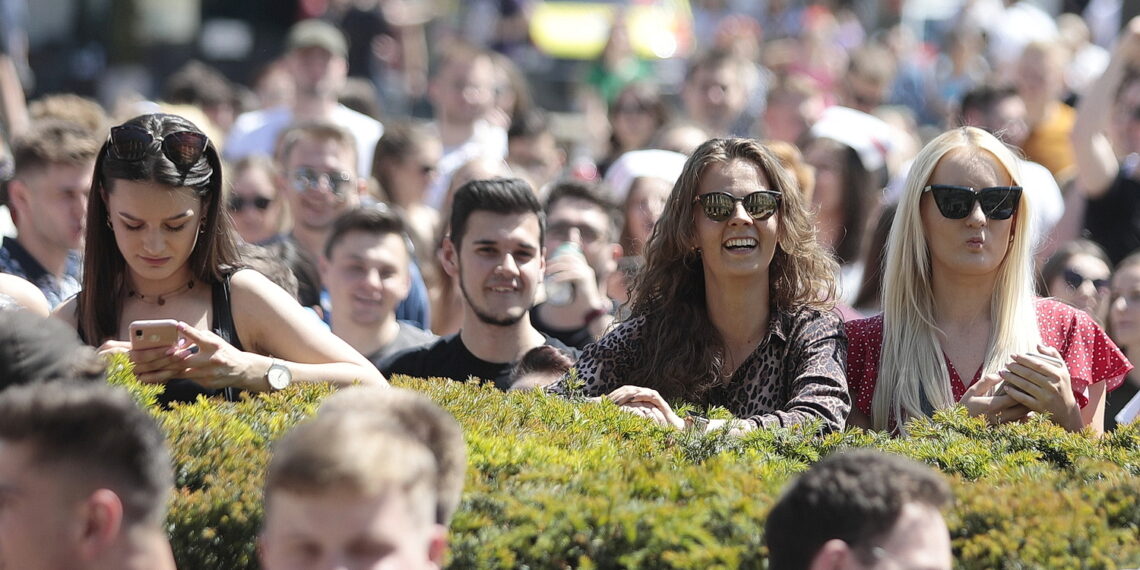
[(161, 299)]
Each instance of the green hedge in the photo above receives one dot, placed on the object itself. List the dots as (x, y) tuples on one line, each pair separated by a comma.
[(558, 484)]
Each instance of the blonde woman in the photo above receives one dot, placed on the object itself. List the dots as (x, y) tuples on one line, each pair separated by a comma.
[(960, 321)]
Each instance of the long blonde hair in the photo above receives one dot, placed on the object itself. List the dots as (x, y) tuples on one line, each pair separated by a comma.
[(913, 377)]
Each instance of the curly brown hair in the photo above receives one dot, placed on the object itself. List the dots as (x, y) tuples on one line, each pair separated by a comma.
[(670, 291)]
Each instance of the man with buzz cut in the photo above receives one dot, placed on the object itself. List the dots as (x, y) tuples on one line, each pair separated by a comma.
[(47, 197), (85, 478), (495, 251), (365, 269)]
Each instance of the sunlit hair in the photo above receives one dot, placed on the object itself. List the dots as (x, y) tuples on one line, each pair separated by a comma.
[(100, 303), (670, 291), (913, 378)]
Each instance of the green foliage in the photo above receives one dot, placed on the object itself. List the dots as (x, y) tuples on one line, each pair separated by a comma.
[(553, 483)]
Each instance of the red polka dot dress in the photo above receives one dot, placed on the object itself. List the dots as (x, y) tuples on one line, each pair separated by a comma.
[(1088, 352)]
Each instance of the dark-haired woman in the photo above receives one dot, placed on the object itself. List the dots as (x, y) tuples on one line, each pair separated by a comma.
[(160, 247), (732, 308)]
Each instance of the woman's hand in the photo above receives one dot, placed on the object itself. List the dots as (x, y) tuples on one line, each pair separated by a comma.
[(998, 408), (1043, 387), (114, 347), (648, 403), (205, 358)]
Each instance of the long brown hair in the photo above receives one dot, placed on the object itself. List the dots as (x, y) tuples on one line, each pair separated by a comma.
[(100, 303), (682, 358)]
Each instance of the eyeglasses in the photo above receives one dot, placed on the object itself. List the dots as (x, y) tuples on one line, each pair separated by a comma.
[(183, 148), (239, 203), (560, 231), (956, 202), (719, 206), (308, 179), (1075, 280)]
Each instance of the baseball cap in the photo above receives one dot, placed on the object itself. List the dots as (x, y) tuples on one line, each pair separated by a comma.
[(317, 33)]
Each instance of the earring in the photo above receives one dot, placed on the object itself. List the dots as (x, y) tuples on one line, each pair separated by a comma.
[(109, 223)]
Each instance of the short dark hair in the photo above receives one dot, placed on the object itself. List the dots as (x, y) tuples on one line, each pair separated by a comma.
[(379, 220), (101, 437), (532, 123), (496, 195), (198, 84), (573, 189), (855, 496), (270, 263), (37, 349), (983, 98)]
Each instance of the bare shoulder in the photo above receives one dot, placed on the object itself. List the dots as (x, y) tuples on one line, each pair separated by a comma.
[(68, 312), (25, 293), (250, 288)]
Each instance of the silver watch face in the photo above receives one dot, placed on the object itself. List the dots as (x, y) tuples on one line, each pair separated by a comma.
[(278, 376)]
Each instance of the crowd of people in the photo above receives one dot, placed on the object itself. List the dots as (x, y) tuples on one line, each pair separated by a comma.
[(822, 227)]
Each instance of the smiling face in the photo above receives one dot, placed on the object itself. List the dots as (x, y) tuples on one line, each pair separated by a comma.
[(367, 276), (974, 245), (156, 228), (316, 207), (739, 247), (499, 263)]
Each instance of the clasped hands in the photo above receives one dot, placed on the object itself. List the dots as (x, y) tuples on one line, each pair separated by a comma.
[(1026, 384), (200, 355)]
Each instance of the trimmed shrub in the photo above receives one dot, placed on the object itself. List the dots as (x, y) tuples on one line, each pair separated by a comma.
[(553, 483)]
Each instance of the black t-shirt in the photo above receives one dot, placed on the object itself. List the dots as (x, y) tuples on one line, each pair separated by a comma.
[(1113, 220), (1116, 400), (408, 337), (449, 358)]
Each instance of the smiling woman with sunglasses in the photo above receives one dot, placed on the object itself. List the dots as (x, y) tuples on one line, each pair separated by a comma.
[(161, 247), (960, 321), (733, 306), (259, 213)]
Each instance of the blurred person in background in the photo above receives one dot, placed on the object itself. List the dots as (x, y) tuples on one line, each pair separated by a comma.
[(715, 92), (404, 166), (47, 197), (533, 149), (315, 60), (1078, 274), (1124, 327), (1040, 81), (640, 182), (260, 212), (637, 112)]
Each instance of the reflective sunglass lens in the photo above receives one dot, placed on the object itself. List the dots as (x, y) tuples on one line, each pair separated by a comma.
[(130, 143), (717, 206), (184, 148), (760, 205)]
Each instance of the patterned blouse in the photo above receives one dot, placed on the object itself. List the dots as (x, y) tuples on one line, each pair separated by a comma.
[(795, 375), (1089, 354)]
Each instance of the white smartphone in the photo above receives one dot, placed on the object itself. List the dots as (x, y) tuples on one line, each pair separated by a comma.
[(153, 333)]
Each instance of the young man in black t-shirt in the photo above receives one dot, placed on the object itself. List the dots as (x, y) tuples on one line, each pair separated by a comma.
[(495, 251)]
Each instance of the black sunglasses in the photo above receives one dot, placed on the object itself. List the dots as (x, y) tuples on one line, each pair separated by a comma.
[(718, 206), (1074, 280), (183, 148), (239, 203), (956, 202)]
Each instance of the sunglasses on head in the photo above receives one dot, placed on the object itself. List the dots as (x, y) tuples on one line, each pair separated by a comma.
[(719, 206), (308, 179), (956, 202), (183, 148), (1074, 280), (239, 203)]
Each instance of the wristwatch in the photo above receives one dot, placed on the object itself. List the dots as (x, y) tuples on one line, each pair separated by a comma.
[(278, 376)]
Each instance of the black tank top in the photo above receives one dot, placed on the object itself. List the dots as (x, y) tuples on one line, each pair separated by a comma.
[(183, 390)]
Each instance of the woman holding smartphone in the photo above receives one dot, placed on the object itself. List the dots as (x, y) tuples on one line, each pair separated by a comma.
[(733, 306), (960, 320), (159, 246)]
